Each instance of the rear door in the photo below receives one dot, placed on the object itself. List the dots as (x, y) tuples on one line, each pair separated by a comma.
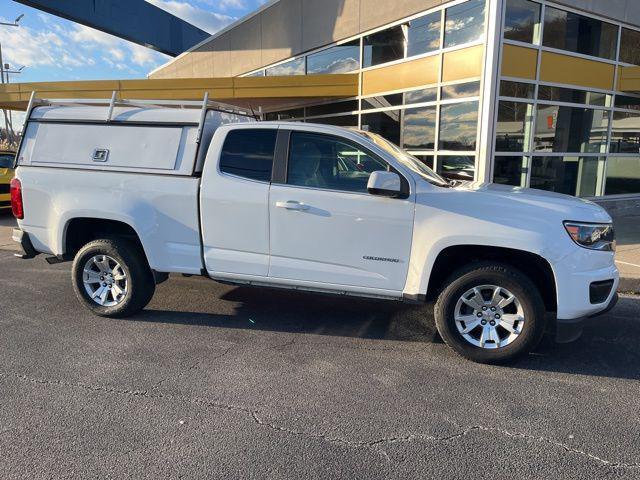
[(326, 228), (234, 201)]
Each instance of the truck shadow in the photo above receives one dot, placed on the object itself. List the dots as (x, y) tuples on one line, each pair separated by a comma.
[(306, 313), (608, 347)]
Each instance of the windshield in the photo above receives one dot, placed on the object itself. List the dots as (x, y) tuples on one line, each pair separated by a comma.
[(407, 159)]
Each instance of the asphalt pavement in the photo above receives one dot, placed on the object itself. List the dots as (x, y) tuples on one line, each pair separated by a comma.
[(215, 381)]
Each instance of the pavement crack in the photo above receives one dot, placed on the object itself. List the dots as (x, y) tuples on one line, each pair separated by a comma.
[(377, 444), (192, 367)]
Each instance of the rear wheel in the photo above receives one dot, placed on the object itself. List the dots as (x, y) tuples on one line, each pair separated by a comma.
[(112, 278), (490, 313)]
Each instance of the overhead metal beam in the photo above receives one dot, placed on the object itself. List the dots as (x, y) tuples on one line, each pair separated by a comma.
[(268, 93), (133, 20)]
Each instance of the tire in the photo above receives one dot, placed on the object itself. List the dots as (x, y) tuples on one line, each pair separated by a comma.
[(130, 285), (498, 317)]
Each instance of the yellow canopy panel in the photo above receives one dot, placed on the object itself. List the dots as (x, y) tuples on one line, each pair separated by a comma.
[(629, 79), (252, 92)]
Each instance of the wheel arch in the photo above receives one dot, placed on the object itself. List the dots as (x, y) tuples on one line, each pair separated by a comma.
[(535, 267), (78, 231)]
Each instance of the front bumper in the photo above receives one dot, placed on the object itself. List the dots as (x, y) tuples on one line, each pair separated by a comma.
[(26, 247), (570, 330)]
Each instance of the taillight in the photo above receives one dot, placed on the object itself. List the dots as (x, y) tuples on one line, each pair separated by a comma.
[(16, 199)]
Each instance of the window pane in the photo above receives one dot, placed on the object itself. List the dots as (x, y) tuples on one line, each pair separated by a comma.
[(421, 96), (259, 73), (382, 101), (461, 90), (630, 103), (249, 153), (329, 108), (510, 171), (570, 95), (424, 34), (514, 124), (458, 126), (292, 67), (322, 161), (383, 47), (6, 161), (426, 159), (522, 21), (630, 46), (517, 89), (458, 167), (625, 133), (386, 124), (464, 23), (569, 175), (339, 121), (419, 128), (339, 59), (623, 175), (285, 114), (576, 33), (570, 129)]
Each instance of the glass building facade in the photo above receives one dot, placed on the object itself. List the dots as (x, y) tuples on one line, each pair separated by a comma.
[(534, 102)]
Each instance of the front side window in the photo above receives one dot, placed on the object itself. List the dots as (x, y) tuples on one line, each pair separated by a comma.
[(384, 46), (323, 161), (577, 33), (522, 21), (339, 59), (464, 23), (571, 129), (249, 153)]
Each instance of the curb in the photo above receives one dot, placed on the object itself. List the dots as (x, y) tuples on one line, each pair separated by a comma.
[(629, 286)]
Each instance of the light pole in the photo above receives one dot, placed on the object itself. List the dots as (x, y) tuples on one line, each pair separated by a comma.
[(7, 71), (7, 122)]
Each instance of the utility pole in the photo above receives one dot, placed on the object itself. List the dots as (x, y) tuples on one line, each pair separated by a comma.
[(7, 122)]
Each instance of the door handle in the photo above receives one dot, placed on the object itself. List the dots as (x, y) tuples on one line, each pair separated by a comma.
[(292, 205)]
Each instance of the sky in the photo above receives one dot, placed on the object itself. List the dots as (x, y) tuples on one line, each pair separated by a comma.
[(53, 49)]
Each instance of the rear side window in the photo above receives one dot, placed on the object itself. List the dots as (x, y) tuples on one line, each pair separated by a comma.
[(249, 153), (6, 160)]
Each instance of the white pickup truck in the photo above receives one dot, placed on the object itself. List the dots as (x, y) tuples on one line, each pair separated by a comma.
[(133, 193)]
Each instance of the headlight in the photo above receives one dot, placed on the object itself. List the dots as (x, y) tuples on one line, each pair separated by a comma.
[(595, 236)]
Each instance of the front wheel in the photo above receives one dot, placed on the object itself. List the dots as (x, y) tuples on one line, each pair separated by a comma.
[(490, 313), (111, 277)]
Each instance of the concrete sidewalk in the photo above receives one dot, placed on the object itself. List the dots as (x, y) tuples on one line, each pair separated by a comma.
[(626, 220), (627, 255)]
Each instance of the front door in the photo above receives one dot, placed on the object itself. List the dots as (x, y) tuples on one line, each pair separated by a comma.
[(326, 228)]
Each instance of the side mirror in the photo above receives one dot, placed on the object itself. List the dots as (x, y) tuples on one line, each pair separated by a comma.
[(385, 184)]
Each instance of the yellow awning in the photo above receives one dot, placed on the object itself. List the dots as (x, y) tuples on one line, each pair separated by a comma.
[(254, 92), (629, 79)]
